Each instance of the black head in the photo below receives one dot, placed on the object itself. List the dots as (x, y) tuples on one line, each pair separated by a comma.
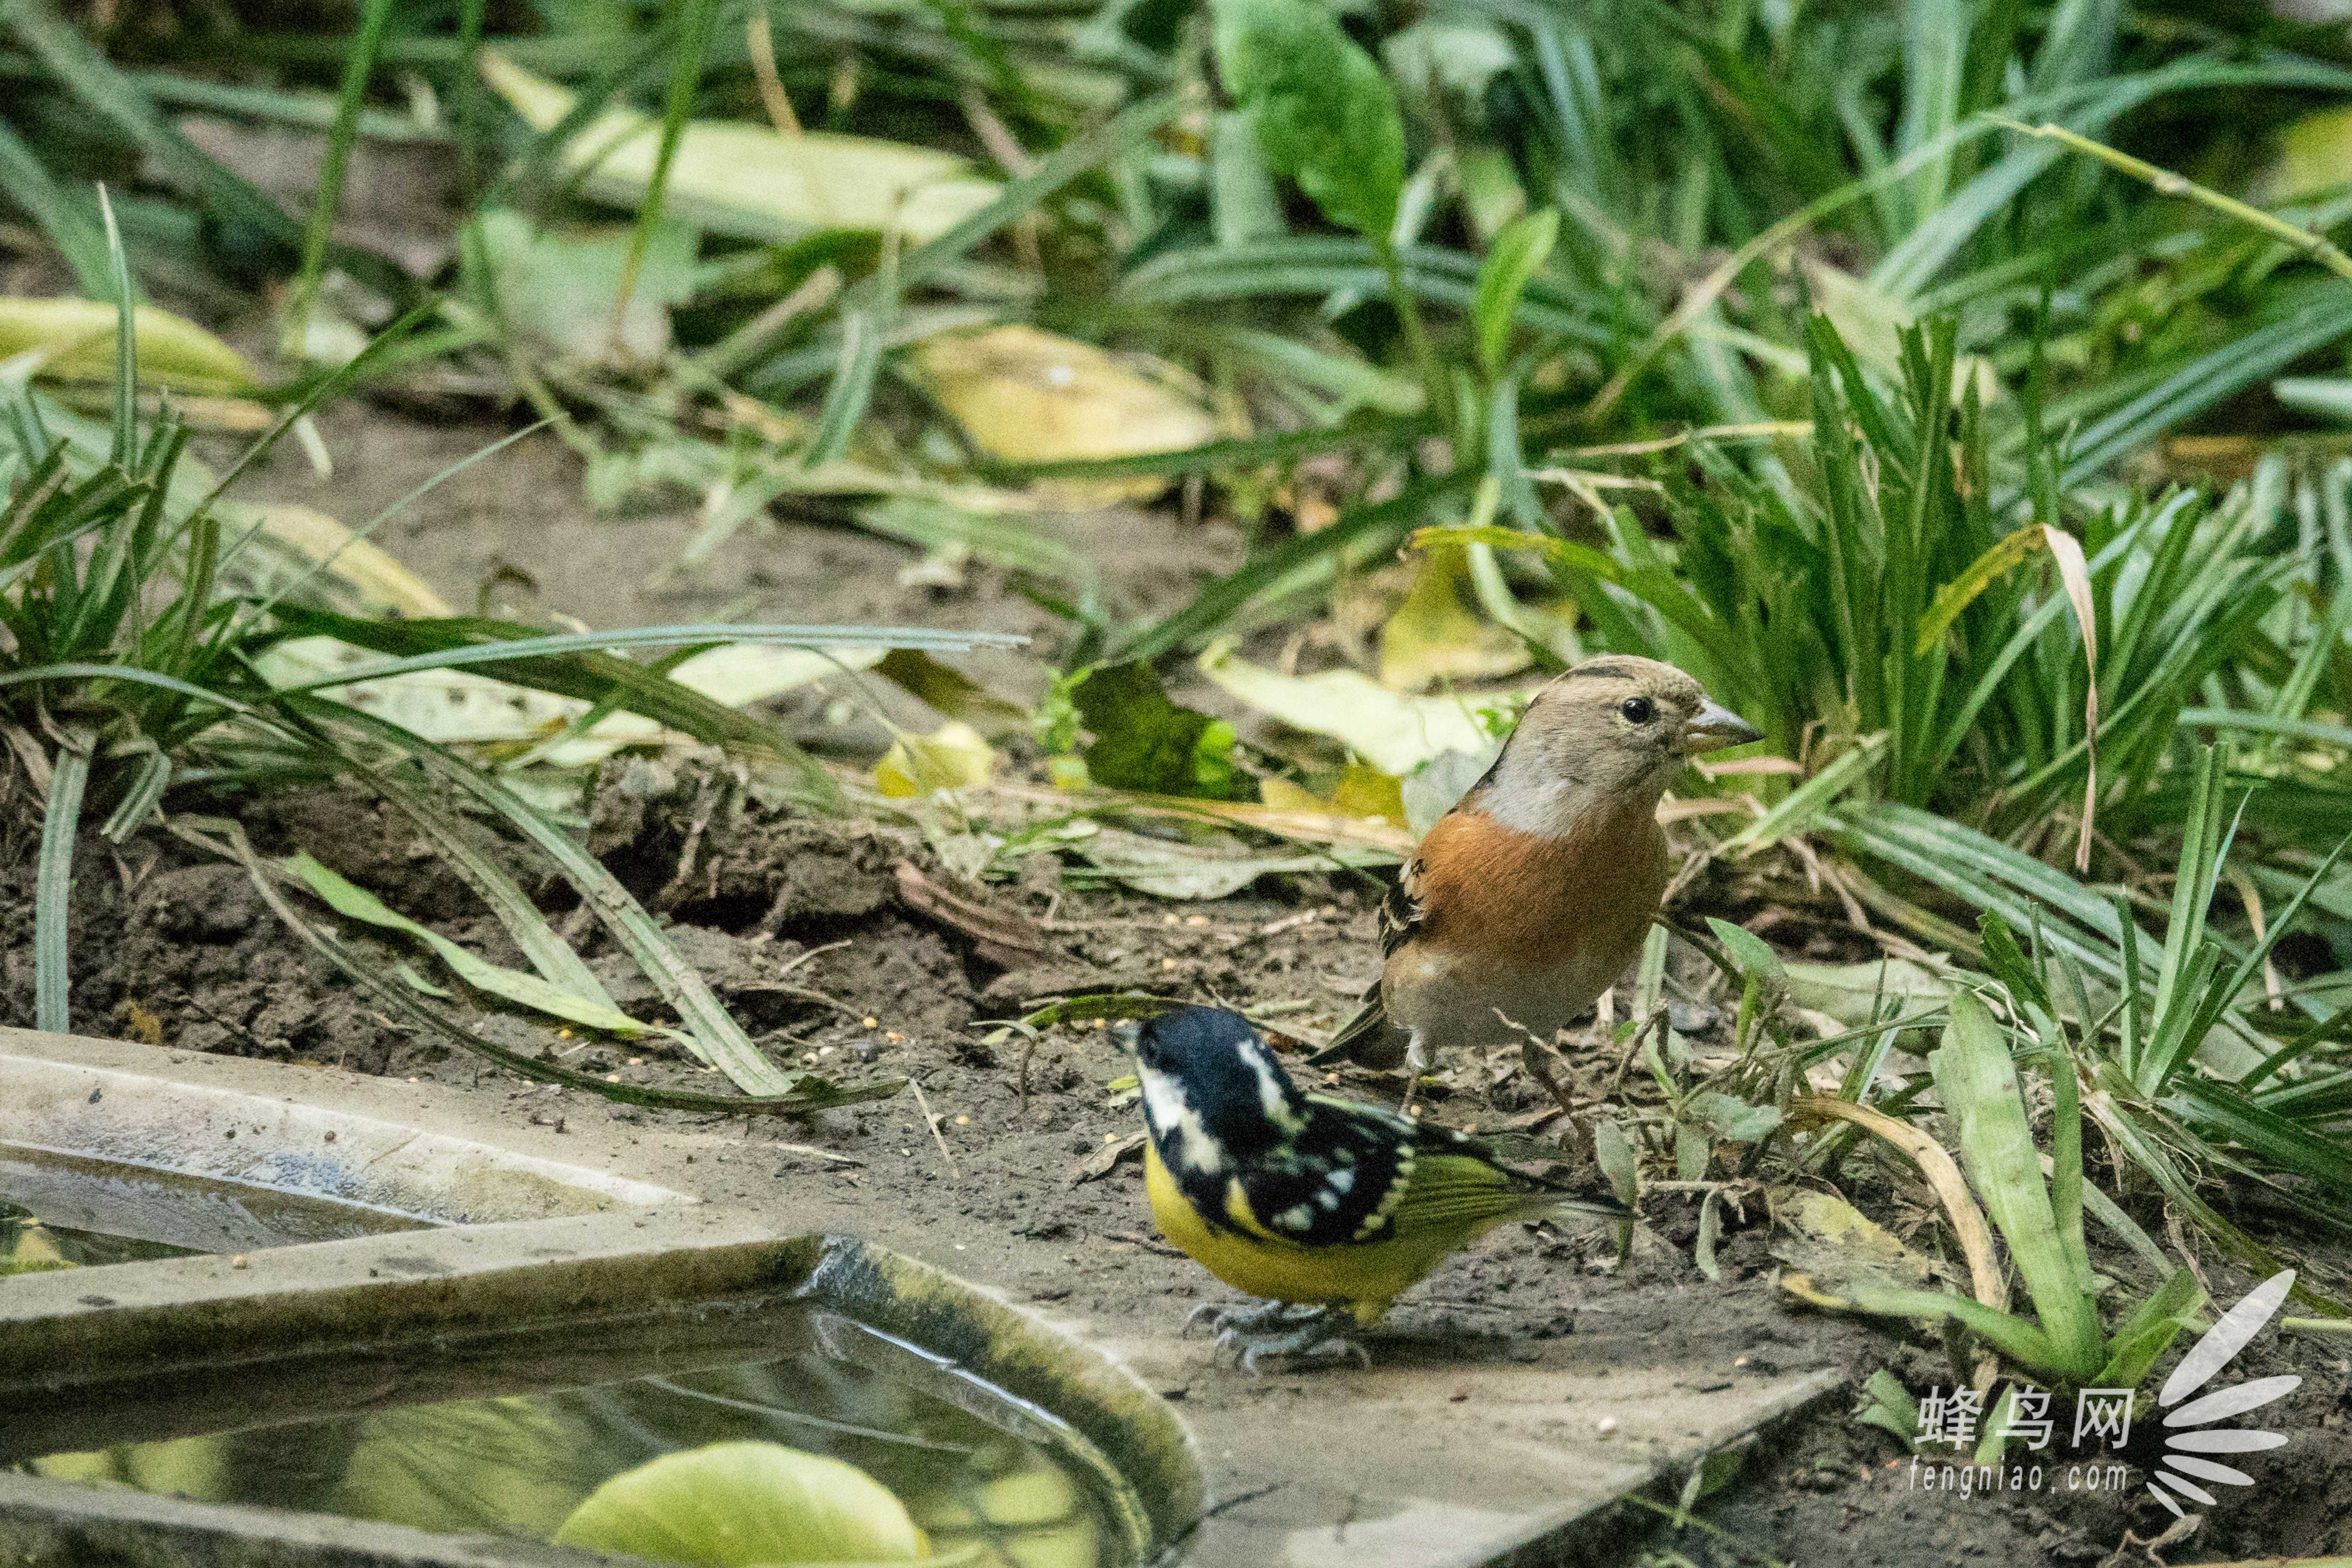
[(1206, 1072)]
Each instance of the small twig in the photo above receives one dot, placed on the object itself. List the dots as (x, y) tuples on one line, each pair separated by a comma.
[(807, 994), (1145, 1242), (762, 50), (800, 958), (1536, 1057), (931, 1119), (812, 1149), (2165, 182), (705, 804)]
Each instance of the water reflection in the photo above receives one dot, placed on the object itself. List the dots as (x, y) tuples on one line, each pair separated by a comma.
[(29, 1246), (517, 1465)]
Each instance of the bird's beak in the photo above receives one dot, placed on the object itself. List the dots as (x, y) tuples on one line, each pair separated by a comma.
[(1714, 727)]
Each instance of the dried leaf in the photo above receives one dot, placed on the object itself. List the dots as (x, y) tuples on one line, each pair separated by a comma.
[(1394, 734), (1023, 395), (1106, 1159), (738, 178), (953, 756), (74, 340), (1435, 636), (1006, 938)]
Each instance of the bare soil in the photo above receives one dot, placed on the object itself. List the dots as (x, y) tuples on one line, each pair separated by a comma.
[(1018, 1189)]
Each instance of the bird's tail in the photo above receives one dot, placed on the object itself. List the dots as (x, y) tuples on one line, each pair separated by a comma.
[(1368, 1038), (1586, 1200)]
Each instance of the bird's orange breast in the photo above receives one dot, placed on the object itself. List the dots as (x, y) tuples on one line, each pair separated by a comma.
[(1526, 900)]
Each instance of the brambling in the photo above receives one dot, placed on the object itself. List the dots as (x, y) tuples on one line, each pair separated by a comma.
[(1530, 897), (1326, 1209)]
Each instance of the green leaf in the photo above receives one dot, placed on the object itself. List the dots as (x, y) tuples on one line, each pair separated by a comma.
[(1734, 1118), (1614, 1153), (1517, 254), (738, 1505), (2007, 961), (1326, 116), (515, 985), (53, 888), (1144, 742), (1978, 1081), (1889, 1406), (1754, 955)]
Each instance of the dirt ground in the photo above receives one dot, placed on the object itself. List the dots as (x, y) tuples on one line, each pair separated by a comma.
[(1018, 1189)]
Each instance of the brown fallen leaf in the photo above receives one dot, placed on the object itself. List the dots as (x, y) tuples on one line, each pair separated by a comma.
[(1006, 938), (1106, 1159)]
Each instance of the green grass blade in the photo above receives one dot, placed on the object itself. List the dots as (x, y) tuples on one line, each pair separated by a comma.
[(354, 902), (139, 802), (83, 70), (865, 328), (471, 15), (717, 1038), (125, 401), (2247, 360), (2011, 1335), (359, 65), (1376, 528), (53, 889), (696, 20), (232, 845), (549, 953), (26, 181)]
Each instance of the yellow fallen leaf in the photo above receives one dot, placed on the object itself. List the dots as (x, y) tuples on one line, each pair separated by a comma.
[(458, 707), (734, 177), (75, 340), (1027, 397), (953, 756), (378, 578), (1394, 734), (1362, 792), (1435, 637), (2313, 153)]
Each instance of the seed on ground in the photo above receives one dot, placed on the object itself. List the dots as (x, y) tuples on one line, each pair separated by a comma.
[(871, 1023)]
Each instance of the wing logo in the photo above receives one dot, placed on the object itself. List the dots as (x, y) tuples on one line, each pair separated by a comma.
[(2192, 1439)]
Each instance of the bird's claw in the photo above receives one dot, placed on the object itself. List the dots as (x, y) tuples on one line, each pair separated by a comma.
[(1228, 1322), (1279, 1328), (1320, 1336)]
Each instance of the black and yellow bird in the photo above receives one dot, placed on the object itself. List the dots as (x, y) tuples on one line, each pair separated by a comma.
[(1325, 1209)]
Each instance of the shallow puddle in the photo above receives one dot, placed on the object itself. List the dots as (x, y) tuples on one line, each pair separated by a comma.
[(516, 1466), (59, 1209)]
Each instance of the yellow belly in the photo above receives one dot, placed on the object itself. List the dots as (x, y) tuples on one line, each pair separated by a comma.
[(1365, 1277)]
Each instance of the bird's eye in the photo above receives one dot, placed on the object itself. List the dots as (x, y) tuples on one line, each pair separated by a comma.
[(1638, 710)]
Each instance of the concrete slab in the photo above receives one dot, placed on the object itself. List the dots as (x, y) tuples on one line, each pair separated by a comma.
[(361, 1140)]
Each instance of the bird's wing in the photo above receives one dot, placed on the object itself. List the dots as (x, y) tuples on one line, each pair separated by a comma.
[(1368, 1038), (1401, 910), (1332, 1182)]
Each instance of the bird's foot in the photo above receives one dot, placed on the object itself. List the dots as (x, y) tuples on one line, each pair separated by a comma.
[(1416, 1065), (1228, 1321), (1289, 1330)]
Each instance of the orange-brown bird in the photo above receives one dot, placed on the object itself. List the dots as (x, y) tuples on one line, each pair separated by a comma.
[(1530, 897)]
